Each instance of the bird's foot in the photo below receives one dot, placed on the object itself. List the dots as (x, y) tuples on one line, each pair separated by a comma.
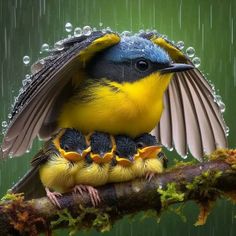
[(93, 193), (149, 176), (52, 196)]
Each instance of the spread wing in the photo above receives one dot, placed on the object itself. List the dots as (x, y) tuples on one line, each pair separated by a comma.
[(37, 106), (192, 119)]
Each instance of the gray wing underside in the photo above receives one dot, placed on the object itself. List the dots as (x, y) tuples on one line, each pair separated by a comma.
[(192, 120), (37, 104)]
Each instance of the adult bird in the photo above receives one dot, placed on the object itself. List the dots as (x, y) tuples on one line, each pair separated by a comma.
[(119, 85)]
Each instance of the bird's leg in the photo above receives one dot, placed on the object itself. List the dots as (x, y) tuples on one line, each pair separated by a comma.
[(53, 197), (149, 176), (93, 193)]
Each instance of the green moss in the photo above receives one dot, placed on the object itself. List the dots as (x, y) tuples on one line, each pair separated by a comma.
[(170, 194), (12, 197), (88, 218), (202, 184)]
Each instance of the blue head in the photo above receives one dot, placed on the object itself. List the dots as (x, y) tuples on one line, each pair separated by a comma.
[(133, 58), (131, 48)]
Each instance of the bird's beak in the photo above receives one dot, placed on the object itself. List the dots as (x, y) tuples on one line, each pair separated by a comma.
[(123, 161), (72, 156), (149, 152), (176, 67)]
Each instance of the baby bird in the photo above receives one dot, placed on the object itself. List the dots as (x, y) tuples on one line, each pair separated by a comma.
[(121, 167), (147, 161), (58, 161), (96, 166)]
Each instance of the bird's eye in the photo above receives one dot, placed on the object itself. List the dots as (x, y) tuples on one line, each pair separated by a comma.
[(66, 147), (140, 144), (142, 65)]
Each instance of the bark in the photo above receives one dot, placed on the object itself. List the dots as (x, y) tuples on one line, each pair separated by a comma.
[(202, 182)]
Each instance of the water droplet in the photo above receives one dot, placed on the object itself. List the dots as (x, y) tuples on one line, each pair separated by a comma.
[(11, 155), (164, 36), (100, 24), (45, 47), (87, 30), (108, 29), (68, 27), (59, 45), (160, 186), (141, 31), (200, 167), (227, 131), (196, 61), (27, 151), (184, 157), (170, 149), (27, 76), (190, 51), (77, 32), (180, 45), (27, 80), (126, 33), (26, 60), (219, 102), (94, 29), (9, 116), (42, 61), (4, 124)]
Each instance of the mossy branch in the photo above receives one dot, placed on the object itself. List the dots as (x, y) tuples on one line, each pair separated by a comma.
[(203, 182)]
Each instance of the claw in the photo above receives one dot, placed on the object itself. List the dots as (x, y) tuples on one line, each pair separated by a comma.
[(93, 193), (149, 176), (94, 196), (53, 197), (79, 188)]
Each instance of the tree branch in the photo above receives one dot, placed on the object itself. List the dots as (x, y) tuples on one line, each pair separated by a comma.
[(202, 182)]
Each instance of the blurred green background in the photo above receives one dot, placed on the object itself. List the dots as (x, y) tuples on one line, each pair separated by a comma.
[(208, 26)]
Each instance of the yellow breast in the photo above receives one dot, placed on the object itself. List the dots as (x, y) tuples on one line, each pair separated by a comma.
[(119, 108), (92, 174), (57, 174)]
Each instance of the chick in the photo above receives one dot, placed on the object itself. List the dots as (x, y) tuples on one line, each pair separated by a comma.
[(121, 168), (147, 161), (58, 161), (96, 166)]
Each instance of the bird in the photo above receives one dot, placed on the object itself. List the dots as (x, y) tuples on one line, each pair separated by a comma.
[(121, 85), (121, 166), (96, 165), (147, 161), (55, 165)]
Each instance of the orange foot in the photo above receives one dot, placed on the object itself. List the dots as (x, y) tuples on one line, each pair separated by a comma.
[(53, 197), (149, 176), (93, 193)]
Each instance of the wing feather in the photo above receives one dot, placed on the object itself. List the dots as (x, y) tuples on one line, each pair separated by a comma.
[(37, 101)]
